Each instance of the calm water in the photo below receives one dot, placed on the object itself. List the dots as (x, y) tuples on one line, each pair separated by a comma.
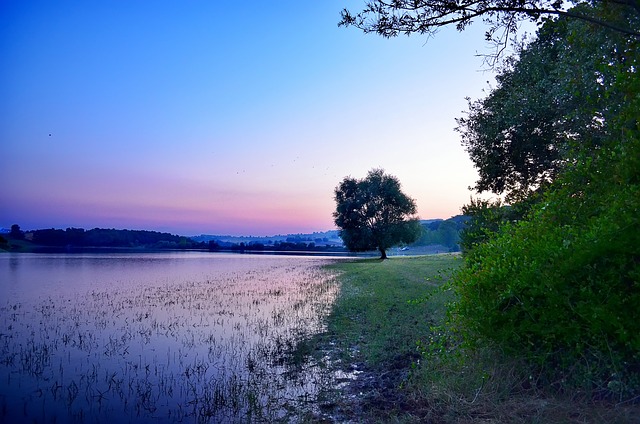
[(159, 337)]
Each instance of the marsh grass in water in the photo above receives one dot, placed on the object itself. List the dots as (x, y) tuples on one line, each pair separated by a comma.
[(213, 349)]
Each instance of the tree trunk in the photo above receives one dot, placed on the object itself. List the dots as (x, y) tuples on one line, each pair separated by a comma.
[(383, 253)]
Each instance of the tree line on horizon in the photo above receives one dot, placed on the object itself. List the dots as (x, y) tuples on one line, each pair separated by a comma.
[(444, 233), (101, 237)]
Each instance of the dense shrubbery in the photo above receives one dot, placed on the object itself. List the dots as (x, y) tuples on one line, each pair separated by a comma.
[(486, 218), (563, 286), (558, 282)]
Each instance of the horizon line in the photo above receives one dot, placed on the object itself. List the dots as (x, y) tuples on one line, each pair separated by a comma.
[(6, 230)]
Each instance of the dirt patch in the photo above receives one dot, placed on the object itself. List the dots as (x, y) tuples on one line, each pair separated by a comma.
[(364, 394)]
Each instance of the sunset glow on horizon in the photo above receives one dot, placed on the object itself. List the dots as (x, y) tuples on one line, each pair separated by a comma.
[(202, 118)]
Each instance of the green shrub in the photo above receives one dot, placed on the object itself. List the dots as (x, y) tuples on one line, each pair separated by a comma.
[(561, 288)]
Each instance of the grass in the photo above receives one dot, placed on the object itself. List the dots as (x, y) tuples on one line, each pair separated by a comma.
[(379, 310), (397, 364)]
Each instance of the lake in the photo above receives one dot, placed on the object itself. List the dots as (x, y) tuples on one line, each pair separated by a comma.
[(160, 337)]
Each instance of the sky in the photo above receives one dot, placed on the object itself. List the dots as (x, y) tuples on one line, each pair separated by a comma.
[(222, 117)]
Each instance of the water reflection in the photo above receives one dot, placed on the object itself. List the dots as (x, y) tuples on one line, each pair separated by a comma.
[(157, 337)]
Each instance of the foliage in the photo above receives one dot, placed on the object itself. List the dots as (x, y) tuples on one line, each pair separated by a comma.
[(443, 232), (373, 213), (552, 280), (562, 287), (486, 217), (503, 17), (557, 93)]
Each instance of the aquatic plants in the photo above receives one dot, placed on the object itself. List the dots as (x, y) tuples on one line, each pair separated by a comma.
[(209, 350)]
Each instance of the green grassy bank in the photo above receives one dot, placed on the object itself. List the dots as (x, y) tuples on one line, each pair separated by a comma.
[(385, 307), (385, 335)]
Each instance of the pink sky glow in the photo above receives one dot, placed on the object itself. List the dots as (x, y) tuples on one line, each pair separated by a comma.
[(222, 119)]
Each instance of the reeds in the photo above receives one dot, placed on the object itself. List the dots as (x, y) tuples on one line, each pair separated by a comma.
[(207, 350)]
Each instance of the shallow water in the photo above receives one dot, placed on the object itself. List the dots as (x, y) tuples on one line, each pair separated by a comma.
[(162, 337)]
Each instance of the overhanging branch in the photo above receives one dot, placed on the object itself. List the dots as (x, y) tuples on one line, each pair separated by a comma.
[(391, 18)]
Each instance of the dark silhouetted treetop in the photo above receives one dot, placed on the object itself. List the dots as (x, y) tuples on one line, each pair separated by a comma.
[(16, 233), (393, 17), (373, 213)]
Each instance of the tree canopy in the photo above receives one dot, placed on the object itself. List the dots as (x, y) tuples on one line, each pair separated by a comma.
[(556, 96), (16, 232), (373, 213)]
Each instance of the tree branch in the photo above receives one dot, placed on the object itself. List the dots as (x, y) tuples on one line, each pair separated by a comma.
[(428, 16)]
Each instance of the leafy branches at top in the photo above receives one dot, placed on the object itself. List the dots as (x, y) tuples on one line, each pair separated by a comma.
[(390, 18), (556, 97)]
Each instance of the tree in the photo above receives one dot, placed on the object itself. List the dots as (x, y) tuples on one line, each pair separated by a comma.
[(556, 96), (16, 233), (373, 213), (392, 17)]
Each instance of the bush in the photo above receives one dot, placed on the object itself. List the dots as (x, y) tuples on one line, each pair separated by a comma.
[(561, 288)]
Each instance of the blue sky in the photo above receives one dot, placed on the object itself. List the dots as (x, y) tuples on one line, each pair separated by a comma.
[(222, 117)]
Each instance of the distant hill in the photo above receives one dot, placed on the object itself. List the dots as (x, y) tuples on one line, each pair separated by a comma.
[(430, 221), (438, 235), (326, 238)]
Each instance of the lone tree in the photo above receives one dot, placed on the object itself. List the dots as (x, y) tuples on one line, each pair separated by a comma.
[(16, 233), (373, 213)]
